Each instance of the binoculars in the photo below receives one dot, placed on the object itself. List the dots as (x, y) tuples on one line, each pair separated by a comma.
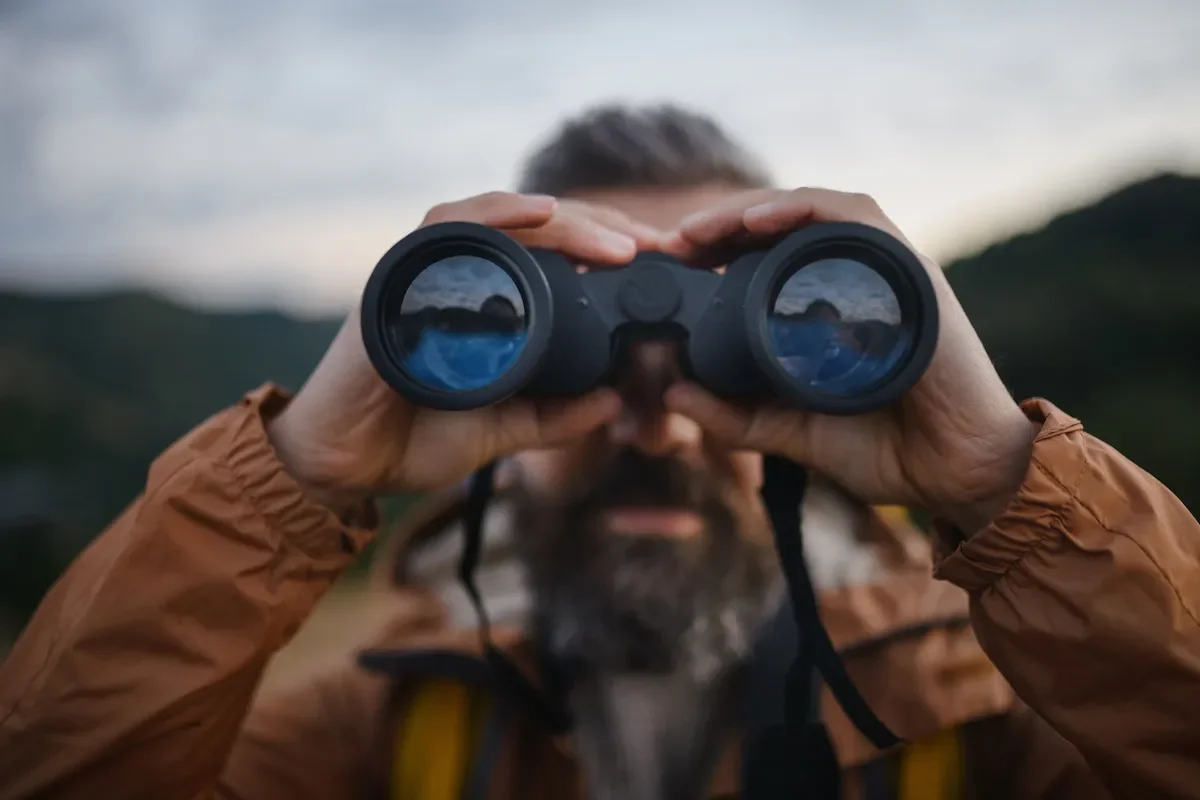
[(836, 318)]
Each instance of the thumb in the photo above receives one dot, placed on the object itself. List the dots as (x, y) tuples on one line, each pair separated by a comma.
[(522, 424), (762, 428)]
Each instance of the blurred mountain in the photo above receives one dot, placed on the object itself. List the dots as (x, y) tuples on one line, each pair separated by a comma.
[(92, 388), (1099, 311)]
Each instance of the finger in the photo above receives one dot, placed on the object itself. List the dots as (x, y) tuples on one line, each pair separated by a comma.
[(789, 211), (676, 245), (521, 424), (764, 429), (720, 253), (562, 422), (777, 218), (726, 423), (580, 237), (647, 237), (497, 209), (707, 227)]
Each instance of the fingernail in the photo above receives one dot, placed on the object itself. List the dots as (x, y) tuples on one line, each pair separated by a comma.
[(673, 242), (762, 210), (655, 235), (619, 241), (541, 198), (697, 218)]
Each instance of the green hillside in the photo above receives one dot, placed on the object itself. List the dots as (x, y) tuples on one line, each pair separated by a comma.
[(91, 390), (1099, 311)]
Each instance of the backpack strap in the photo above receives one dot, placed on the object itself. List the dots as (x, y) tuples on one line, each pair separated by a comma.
[(447, 742), (787, 751), (933, 768), (434, 743), (930, 769)]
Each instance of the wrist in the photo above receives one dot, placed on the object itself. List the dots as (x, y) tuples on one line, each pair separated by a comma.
[(302, 461), (1011, 451)]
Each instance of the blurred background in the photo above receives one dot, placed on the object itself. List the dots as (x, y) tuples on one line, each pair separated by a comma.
[(192, 194)]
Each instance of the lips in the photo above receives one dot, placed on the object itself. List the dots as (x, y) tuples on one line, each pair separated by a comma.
[(668, 522)]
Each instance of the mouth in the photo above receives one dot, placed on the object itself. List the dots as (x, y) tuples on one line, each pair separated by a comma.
[(670, 522)]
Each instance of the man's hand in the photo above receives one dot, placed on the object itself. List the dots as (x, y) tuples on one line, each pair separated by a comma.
[(348, 436), (956, 443)]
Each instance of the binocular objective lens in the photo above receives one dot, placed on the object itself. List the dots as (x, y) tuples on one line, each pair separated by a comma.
[(835, 327), (461, 324)]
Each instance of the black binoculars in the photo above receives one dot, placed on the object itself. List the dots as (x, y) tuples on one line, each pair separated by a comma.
[(836, 318)]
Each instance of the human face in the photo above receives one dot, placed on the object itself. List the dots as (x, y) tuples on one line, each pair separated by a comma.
[(647, 519)]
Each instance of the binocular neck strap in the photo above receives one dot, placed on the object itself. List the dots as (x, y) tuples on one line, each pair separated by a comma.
[(549, 705), (797, 757), (783, 489)]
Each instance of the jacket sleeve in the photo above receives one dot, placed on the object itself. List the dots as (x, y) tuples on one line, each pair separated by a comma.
[(137, 670), (1085, 592), (319, 737)]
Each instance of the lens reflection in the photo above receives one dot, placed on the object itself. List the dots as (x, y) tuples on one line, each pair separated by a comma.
[(835, 327), (461, 324)]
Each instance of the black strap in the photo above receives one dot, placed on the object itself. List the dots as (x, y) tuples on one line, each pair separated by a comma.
[(487, 753), (783, 756), (549, 706)]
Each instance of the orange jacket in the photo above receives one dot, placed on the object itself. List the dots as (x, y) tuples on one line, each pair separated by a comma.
[(137, 676)]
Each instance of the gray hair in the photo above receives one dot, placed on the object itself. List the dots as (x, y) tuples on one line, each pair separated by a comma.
[(615, 146)]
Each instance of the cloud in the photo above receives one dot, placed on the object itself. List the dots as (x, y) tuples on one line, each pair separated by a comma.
[(271, 151)]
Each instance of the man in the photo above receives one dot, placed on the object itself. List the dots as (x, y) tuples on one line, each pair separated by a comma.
[(634, 512)]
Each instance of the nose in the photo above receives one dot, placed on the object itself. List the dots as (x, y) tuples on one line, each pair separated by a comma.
[(645, 424)]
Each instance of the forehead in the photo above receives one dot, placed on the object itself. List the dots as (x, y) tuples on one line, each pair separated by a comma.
[(661, 207)]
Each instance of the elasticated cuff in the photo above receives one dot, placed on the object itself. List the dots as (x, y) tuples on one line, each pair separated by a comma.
[(278, 497), (1034, 517)]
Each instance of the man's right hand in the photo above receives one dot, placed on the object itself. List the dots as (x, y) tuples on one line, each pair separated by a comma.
[(347, 436)]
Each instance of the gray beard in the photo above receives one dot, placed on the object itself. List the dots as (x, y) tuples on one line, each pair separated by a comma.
[(654, 632), (648, 606), (611, 603)]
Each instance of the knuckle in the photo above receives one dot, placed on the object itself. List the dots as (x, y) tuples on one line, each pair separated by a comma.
[(604, 213), (441, 212), (496, 197), (492, 203), (573, 236), (750, 197), (573, 221), (592, 214), (474, 208), (770, 195), (864, 201)]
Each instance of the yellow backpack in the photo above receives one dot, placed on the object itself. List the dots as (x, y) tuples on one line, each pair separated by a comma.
[(440, 736)]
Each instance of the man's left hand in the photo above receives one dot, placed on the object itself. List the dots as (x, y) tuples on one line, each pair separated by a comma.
[(956, 443)]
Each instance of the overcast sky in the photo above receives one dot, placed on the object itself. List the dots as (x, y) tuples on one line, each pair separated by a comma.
[(269, 152)]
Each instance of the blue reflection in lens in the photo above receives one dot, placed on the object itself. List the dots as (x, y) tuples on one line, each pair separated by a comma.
[(461, 324), (836, 328)]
